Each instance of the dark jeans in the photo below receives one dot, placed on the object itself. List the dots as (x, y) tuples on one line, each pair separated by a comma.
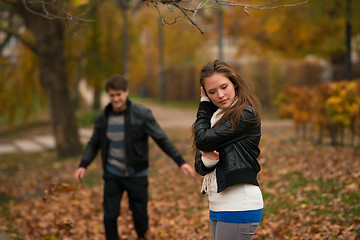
[(137, 190)]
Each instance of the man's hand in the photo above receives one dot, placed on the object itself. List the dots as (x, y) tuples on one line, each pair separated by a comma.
[(79, 174), (187, 170)]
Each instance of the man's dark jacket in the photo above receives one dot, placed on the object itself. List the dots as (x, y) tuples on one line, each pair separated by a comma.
[(139, 125)]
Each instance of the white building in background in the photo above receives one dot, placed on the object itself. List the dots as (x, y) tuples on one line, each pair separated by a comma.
[(10, 49)]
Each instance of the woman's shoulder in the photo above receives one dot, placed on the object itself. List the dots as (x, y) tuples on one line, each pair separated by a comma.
[(249, 112), (249, 109)]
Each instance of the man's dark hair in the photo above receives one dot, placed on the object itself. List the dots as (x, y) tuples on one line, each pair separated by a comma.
[(117, 82)]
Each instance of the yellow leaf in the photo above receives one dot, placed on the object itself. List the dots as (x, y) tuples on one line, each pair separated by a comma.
[(75, 202), (352, 186), (80, 2), (163, 234)]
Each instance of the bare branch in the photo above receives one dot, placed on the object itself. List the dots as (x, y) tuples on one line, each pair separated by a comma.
[(158, 10), (260, 7), (44, 8), (200, 6), (182, 9), (25, 3), (274, 4), (19, 36), (187, 16), (163, 20), (60, 12)]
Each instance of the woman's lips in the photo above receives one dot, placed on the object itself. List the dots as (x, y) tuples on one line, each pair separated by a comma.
[(223, 101)]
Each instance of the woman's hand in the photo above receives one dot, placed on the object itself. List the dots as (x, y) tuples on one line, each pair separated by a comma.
[(213, 155)]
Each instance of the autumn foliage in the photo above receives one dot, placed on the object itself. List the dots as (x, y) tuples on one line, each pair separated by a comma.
[(310, 192), (333, 106)]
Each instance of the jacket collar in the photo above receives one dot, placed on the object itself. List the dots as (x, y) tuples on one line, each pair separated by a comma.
[(109, 107)]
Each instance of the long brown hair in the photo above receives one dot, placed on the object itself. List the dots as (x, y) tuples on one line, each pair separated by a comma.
[(244, 91)]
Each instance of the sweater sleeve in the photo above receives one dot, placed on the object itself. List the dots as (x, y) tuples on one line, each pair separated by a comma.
[(200, 167), (208, 162)]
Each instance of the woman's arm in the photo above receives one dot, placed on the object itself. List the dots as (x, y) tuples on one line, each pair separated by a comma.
[(204, 165), (208, 139)]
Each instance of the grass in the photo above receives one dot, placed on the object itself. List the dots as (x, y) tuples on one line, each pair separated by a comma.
[(321, 200), (291, 196)]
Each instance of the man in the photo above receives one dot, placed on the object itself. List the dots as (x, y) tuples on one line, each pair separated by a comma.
[(121, 132)]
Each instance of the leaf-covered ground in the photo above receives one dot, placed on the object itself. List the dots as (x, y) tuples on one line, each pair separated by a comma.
[(310, 192)]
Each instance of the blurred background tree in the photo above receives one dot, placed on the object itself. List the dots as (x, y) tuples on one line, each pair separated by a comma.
[(319, 28), (159, 47), (45, 23)]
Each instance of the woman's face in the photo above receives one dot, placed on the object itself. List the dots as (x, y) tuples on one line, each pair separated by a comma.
[(220, 90)]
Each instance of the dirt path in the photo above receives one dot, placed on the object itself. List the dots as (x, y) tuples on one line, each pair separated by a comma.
[(40, 138), (172, 117)]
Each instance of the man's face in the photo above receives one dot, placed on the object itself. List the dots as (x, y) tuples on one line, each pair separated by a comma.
[(118, 99)]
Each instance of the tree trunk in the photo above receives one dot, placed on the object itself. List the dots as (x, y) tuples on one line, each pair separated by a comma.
[(97, 98), (124, 6), (320, 137), (126, 44), (49, 43), (220, 34), (333, 131), (161, 76), (348, 35)]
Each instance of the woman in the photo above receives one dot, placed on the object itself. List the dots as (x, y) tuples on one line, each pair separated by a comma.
[(227, 132)]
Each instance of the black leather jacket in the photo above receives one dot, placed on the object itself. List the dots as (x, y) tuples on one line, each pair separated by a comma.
[(139, 125), (238, 147)]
